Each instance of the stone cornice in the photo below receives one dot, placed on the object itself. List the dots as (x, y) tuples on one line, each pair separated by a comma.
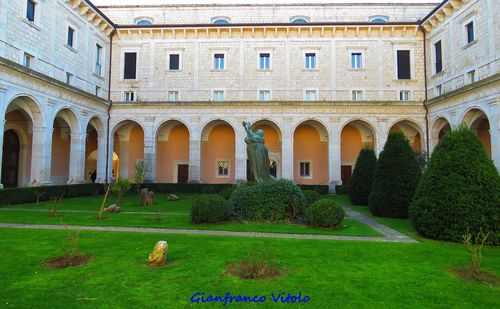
[(93, 15), (441, 13), (230, 104)]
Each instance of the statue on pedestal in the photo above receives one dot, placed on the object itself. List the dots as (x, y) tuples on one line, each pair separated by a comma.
[(258, 156)]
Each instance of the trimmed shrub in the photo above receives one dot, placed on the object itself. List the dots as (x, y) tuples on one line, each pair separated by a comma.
[(342, 189), (185, 187), (311, 196), (324, 213), (226, 192), (321, 189), (396, 178), (271, 200), (362, 177), (459, 192), (209, 208)]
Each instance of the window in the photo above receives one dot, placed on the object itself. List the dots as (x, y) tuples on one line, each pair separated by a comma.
[(378, 19), (174, 62), (218, 95), (403, 59), (130, 67), (223, 168), (130, 96), (439, 89), (264, 95), (143, 22), (310, 95), (469, 29), (71, 36), (69, 76), (97, 90), (173, 95), (219, 62), (28, 60), (357, 95), (98, 59), (404, 95), (438, 57), (356, 61), (220, 21), (471, 76), (299, 20), (30, 10), (310, 61), (264, 61), (305, 169)]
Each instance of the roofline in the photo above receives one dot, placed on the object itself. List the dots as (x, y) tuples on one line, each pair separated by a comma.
[(89, 3), (434, 11), (415, 23)]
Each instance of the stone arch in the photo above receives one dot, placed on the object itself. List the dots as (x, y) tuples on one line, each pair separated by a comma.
[(310, 153), (172, 144), (64, 125), (218, 148), (413, 132), (70, 116), (30, 105), (273, 142), (477, 120), (128, 143), (354, 135), (440, 126), (209, 125)]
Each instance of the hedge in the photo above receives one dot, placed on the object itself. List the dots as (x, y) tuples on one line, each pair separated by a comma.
[(362, 177), (186, 187), (321, 189), (324, 213), (209, 208)]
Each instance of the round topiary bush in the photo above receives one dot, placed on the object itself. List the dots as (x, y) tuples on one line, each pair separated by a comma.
[(324, 213), (459, 191), (209, 209), (311, 196), (362, 177), (271, 200), (396, 178)]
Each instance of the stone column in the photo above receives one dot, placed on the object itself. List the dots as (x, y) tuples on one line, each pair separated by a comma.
[(381, 135), (123, 156), (240, 174), (41, 157), (101, 160), (194, 160), (77, 158), (149, 158), (334, 160), (287, 151), (3, 105)]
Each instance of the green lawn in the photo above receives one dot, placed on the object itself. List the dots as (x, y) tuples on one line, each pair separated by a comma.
[(181, 220), (334, 274)]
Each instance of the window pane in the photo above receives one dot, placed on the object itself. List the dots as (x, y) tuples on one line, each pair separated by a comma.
[(403, 64), (130, 66), (310, 60), (439, 57), (174, 62), (265, 61), (219, 61), (71, 33), (470, 32), (356, 60), (30, 12)]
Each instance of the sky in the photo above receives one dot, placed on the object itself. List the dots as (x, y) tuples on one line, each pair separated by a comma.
[(138, 2)]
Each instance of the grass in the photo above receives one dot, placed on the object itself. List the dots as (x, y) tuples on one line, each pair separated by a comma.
[(333, 274), (180, 221)]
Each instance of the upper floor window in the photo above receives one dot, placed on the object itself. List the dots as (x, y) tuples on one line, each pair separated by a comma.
[(471, 76), (356, 61), (438, 57), (218, 95), (28, 60), (469, 29), (143, 22), (69, 77), (310, 95), (221, 20), (264, 61), (130, 66), (71, 37), (174, 62), (219, 63), (404, 95), (357, 95), (30, 10), (403, 61), (264, 95), (173, 95), (310, 60), (98, 59), (299, 20), (130, 96), (378, 19)]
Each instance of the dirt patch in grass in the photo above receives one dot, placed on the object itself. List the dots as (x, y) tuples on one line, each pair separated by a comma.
[(465, 273), (252, 268), (60, 262)]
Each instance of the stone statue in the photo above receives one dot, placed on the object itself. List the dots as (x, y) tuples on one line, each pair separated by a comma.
[(258, 156)]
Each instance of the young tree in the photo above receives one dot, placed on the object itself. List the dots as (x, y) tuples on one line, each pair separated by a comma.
[(459, 191), (119, 187), (139, 175), (396, 178), (362, 177)]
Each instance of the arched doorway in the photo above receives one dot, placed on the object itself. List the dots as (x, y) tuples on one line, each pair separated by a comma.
[(478, 122), (128, 145), (65, 123), (272, 140), (172, 151), (95, 130), (355, 135), (310, 153), (218, 162), (412, 131), (10, 162)]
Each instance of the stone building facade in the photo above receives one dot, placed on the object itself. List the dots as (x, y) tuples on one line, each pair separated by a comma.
[(167, 85)]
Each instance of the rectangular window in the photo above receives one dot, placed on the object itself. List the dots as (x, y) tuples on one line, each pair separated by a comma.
[(404, 71), (310, 95), (264, 95), (265, 61), (219, 62), (218, 95), (469, 28), (223, 168), (173, 95), (404, 95), (439, 89), (68, 78), (30, 11), (357, 95), (356, 61), (471, 76), (129, 96), (305, 169), (310, 61), (130, 67), (28, 60), (98, 59), (97, 90), (71, 36), (439, 56), (174, 63)]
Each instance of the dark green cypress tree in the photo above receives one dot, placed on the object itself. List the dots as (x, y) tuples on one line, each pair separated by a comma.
[(396, 178), (362, 177), (459, 191)]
